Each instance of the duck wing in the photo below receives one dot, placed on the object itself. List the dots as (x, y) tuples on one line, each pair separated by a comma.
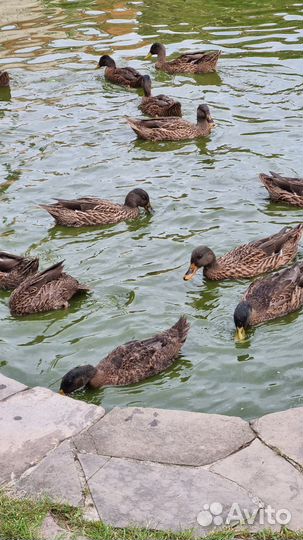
[(198, 57), (293, 185), (81, 204), (275, 243), (130, 73)]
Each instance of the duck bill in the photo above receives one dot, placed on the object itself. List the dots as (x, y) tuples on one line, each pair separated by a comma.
[(240, 334), (148, 208), (98, 67), (148, 56), (210, 119), (62, 393), (191, 272)]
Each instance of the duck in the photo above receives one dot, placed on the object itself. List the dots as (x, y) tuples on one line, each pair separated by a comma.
[(125, 76), (283, 188), (160, 105), (247, 260), (49, 290), (4, 79), (173, 128), (91, 211), (130, 363), (270, 298), (15, 268), (192, 62)]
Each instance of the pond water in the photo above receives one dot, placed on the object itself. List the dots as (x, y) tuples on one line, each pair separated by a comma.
[(62, 134)]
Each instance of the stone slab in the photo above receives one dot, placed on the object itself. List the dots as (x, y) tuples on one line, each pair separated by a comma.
[(177, 437), (271, 477), (56, 476), (91, 463), (8, 387), (283, 431), (165, 497), (34, 422)]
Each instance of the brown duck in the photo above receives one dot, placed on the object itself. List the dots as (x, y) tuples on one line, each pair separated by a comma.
[(47, 291), (283, 188), (160, 105), (91, 211), (14, 269), (4, 79), (248, 260), (131, 362), (270, 298), (126, 76), (173, 128), (195, 62)]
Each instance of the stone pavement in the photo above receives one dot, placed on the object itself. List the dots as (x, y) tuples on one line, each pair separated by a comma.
[(166, 470)]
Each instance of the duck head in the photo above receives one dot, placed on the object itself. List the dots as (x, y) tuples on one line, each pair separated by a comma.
[(201, 256), (157, 49), (242, 316), (76, 378), (203, 115), (138, 197), (106, 61)]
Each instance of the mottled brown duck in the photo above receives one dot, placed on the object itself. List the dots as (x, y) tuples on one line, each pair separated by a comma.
[(192, 62), (91, 211), (4, 79), (283, 188), (248, 260), (160, 105), (47, 291), (126, 76), (14, 269), (131, 362), (173, 128), (270, 298)]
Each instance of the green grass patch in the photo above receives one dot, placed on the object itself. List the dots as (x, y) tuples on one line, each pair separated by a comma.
[(21, 519)]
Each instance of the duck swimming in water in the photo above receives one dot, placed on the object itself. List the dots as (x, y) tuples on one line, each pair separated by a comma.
[(173, 128), (91, 211), (192, 62), (131, 362), (270, 298), (248, 260)]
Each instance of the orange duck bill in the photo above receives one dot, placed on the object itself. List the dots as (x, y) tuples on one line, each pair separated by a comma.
[(191, 272)]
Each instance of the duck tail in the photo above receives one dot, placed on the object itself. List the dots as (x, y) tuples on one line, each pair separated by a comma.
[(133, 123), (182, 326), (31, 266)]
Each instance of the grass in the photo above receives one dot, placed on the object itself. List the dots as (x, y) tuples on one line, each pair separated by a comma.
[(21, 519)]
